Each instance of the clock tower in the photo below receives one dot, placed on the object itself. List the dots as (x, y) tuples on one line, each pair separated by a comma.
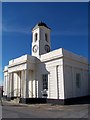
[(40, 39)]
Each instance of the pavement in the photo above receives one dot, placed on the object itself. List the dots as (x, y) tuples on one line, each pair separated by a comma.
[(18, 110)]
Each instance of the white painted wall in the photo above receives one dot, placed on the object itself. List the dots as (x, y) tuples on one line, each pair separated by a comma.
[(49, 67), (71, 68)]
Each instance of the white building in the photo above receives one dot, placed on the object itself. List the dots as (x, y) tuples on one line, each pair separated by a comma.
[(60, 74)]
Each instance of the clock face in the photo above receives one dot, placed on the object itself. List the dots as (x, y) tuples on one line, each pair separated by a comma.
[(35, 48), (47, 48)]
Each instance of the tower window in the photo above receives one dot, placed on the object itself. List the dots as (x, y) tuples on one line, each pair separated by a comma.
[(46, 38), (78, 77), (45, 81), (47, 48), (36, 37)]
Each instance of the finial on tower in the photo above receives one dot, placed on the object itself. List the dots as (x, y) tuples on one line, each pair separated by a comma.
[(41, 24)]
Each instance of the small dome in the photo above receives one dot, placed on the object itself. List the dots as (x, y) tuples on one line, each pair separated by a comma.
[(41, 24)]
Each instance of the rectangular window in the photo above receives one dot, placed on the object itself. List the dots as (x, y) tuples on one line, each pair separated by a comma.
[(78, 77), (45, 81)]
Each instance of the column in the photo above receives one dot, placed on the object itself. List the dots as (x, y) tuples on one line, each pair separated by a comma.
[(61, 81), (22, 83), (34, 84), (56, 83), (10, 85), (27, 81), (4, 85), (25, 85), (17, 85), (7, 83), (48, 85), (30, 84), (34, 88)]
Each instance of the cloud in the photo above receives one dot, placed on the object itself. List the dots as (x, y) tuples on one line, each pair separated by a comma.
[(15, 29), (27, 30)]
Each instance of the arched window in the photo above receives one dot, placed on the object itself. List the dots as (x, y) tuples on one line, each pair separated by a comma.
[(36, 37), (47, 48), (46, 37)]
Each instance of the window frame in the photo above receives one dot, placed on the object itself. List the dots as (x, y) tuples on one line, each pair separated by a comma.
[(47, 48), (78, 80), (45, 81), (46, 37), (36, 37)]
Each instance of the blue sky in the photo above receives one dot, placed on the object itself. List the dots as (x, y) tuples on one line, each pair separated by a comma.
[(68, 21), (0, 42)]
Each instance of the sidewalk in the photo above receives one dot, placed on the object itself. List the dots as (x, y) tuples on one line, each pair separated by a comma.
[(45, 110)]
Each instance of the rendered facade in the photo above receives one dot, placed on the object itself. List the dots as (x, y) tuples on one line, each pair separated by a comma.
[(54, 76)]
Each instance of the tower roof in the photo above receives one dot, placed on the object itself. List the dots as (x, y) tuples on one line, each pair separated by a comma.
[(40, 24)]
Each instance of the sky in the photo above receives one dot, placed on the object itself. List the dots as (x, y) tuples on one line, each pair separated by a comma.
[(0, 42), (68, 22), (45, 0)]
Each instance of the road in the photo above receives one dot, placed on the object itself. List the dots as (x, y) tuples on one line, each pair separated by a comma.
[(14, 110)]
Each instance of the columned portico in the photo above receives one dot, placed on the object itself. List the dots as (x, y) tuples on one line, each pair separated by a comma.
[(27, 84), (22, 84)]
